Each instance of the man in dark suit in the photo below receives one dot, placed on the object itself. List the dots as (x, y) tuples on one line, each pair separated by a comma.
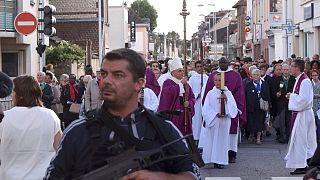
[(283, 85), (265, 78), (47, 93), (70, 95), (273, 111)]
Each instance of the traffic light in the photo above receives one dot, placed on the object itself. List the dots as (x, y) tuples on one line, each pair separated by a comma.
[(49, 20), (248, 24), (41, 48)]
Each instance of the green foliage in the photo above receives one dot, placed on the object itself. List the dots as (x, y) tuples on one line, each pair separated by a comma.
[(173, 36), (63, 52), (145, 10)]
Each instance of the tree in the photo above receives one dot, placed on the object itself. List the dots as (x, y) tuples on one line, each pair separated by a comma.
[(145, 10), (62, 55)]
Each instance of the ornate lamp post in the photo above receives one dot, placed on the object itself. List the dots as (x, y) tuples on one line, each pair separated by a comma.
[(184, 14)]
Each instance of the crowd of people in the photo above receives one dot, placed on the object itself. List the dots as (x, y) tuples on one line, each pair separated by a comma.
[(217, 102)]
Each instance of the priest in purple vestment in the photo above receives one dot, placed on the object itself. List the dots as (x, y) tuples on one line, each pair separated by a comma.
[(234, 83), (171, 98), (151, 82)]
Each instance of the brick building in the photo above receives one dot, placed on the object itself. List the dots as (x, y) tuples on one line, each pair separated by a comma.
[(77, 22), (241, 8)]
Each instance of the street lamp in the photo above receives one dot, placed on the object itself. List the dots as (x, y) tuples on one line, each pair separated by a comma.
[(229, 17), (214, 24)]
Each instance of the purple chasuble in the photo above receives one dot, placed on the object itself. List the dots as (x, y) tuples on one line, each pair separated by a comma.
[(297, 91), (234, 83), (170, 100), (151, 82)]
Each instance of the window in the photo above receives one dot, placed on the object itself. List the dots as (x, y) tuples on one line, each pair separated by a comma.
[(10, 64)]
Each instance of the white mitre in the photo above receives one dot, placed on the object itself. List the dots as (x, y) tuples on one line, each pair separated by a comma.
[(175, 64)]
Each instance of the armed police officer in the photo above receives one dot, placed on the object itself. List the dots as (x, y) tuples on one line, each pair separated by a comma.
[(86, 144)]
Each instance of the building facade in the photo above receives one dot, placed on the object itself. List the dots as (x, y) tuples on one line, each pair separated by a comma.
[(18, 53)]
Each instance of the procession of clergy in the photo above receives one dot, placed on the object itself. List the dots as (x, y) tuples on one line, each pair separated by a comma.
[(216, 109)]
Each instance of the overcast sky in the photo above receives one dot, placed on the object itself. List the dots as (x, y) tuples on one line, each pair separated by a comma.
[(169, 18)]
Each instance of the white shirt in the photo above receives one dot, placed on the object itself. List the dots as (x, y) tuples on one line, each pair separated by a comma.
[(150, 100), (27, 137)]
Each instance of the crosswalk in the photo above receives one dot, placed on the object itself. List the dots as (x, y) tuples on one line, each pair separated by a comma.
[(238, 178)]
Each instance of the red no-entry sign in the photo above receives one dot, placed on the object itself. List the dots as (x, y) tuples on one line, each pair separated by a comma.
[(25, 23)]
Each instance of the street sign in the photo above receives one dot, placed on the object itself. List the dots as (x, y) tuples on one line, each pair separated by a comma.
[(25, 23), (133, 31)]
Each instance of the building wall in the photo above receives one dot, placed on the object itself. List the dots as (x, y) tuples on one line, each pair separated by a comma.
[(141, 44), (118, 30), (24, 46)]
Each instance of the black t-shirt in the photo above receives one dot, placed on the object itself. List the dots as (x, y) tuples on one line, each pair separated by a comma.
[(77, 155)]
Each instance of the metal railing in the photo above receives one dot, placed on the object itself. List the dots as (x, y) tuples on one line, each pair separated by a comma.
[(8, 11)]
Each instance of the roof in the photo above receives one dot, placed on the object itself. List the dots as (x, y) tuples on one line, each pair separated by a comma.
[(240, 3)]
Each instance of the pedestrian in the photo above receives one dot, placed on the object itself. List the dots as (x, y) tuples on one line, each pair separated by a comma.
[(316, 57), (70, 100), (244, 71), (303, 141), (6, 85), (87, 144), (148, 99), (29, 133), (234, 83), (55, 105), (198, 86), (315, 65), (152, 82), (92, 97), (47, 92), (283, 85), (63, 80), (255, 92), (316, 99), (165, 72), (216, 132), (172, 101)]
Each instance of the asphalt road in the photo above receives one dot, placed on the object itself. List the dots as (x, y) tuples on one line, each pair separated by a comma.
[(254, 162)]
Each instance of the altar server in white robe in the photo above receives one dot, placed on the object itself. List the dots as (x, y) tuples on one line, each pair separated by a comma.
[(216, 131), (195, 84), (302, 143), (149, 98)]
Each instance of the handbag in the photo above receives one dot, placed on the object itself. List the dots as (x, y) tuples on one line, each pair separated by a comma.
[(264, 105), (75, 108)]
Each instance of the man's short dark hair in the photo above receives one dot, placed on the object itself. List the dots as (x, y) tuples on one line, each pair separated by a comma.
[(293, 56), (136, 63), (263, 66), (299, 64), (197, 62), (238, 58)]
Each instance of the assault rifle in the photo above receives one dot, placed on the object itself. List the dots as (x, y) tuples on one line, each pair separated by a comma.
[(132, 160)]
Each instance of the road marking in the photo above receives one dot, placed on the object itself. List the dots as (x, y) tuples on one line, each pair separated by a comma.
[(25, 23)]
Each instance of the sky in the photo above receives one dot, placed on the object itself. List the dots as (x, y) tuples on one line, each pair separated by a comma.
[(169, 18)]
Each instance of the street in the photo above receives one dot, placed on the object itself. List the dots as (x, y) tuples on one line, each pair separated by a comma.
[(254, 162)]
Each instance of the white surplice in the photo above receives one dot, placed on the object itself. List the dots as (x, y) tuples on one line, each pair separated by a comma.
[(215, 141), (303, 143), (195, 84), (150, 100), (163, 78)]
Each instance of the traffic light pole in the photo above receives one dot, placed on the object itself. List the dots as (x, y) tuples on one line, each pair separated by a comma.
[(41, 35)]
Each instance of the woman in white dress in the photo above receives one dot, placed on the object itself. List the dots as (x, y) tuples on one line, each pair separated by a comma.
[(29, 133)]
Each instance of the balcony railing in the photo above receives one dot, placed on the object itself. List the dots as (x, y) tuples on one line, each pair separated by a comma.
[(8, 12)]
